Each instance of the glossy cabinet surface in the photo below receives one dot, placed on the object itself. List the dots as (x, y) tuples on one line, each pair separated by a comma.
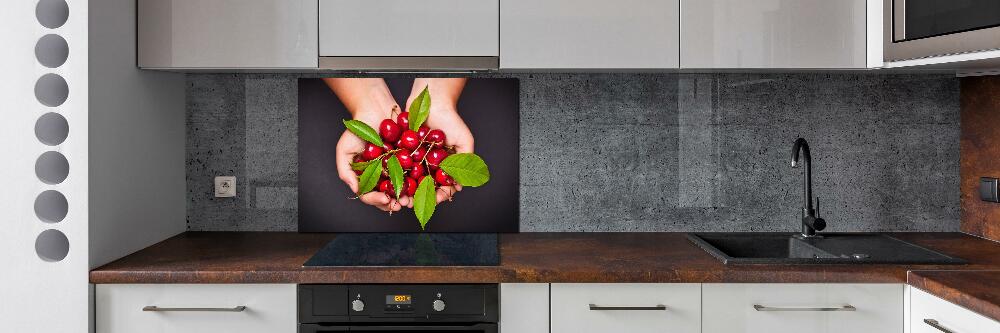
[(582, 34), (927, 310), (269, 308), (227, 33), (403, 28), (626, 307), (524, 308), (802, 308), (773, 34)]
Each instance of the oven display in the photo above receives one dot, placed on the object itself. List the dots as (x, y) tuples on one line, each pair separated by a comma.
[(398, 299), (399, 303)]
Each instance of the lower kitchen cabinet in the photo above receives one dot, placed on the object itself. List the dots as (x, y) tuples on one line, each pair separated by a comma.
[(196, 308), (817, 308), (930, 314), (524, 307), (626, 307)]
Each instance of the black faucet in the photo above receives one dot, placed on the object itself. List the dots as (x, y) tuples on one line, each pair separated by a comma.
[(810, 221)]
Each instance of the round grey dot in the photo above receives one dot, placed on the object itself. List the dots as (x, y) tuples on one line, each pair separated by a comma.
[(52, 167), (52, 245), (51, 206), (51, 129), (51, 90), (52, 13), (51, 51)]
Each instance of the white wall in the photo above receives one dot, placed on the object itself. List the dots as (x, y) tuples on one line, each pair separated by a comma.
[(137, 188)]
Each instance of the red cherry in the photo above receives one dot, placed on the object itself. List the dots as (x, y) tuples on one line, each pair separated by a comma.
[(371, 152), (411, 186), (435, 156), (409, 140), (389, 130), (417, 172), (386, 187), (435, 136), (405, 159), (422, 132), (419, 154), (403, 120), (443, 178), (387, 146), (359, 172)]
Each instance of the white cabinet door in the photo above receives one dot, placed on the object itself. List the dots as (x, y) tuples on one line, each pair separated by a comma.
[(777, 308), (930, 314), (406, 28), (773, 34), (626, 307), (524, 307), (589, 34), (227, 33), (269, 308)]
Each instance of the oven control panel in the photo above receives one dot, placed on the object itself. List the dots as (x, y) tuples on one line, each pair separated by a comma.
[(398, 303)]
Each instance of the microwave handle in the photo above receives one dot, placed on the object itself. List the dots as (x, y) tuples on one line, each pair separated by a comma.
[(898, 17)]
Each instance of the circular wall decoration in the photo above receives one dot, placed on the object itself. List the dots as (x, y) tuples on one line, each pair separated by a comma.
[(51, 90), (52, 167), (51, 206), (51, 129), (52, 13), (52, 245), (51, 51)]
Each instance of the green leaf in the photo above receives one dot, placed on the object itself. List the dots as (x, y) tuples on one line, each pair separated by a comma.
[(370, 177), (360, 165), (420, 108), (467, 169), (396, 175), (424, 201), (364, 131)]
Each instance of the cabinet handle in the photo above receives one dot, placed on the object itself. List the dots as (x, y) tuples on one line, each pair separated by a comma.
[(848, 307), (935, 324), (594, 307), (154, 308)]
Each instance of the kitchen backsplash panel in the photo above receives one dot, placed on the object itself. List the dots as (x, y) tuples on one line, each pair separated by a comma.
[(639, 152)]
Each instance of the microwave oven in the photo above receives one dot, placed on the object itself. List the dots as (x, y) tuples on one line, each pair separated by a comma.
[(915, 29)]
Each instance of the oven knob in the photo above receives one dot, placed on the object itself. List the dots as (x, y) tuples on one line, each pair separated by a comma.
[(358, 305), (438, 305)]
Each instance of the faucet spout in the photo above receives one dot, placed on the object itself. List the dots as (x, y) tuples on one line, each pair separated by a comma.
[(810, 222)]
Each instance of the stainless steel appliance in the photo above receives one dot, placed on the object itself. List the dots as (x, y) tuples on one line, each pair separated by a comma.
[(470, 308), (916, 29)]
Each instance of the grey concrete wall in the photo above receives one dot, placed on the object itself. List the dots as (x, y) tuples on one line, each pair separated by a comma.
[(640, 152)]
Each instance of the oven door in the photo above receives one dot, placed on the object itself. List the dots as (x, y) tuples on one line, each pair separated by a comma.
[(473, 328), (926, 28)]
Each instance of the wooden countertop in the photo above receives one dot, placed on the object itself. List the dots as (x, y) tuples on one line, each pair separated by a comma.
[(978, 291), (269, 257), (272, 257)]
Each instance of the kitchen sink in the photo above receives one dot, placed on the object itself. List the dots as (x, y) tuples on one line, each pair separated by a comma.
[(837, 248)]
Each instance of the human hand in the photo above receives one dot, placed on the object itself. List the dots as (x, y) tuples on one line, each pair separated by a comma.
[(444, 116), (369, 101)]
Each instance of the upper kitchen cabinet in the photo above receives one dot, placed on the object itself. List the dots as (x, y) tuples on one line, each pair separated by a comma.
[(779, 34), (405, 34), (589, 34), (209, 34)]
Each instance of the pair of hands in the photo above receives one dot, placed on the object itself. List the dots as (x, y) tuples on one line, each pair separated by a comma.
[(370, 101)]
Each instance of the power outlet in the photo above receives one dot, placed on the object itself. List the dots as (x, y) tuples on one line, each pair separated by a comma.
[(225, 187)]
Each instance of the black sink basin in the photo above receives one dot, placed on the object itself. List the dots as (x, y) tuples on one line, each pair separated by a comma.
[(785, 248)]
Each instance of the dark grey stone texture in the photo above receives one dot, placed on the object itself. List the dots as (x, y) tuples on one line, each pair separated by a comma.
[(640, 152)]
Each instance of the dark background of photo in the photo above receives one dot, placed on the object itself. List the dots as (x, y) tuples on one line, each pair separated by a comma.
[(490, 109)]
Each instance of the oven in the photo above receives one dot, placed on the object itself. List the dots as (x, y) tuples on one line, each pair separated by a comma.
[(385, 308), (916, 29)]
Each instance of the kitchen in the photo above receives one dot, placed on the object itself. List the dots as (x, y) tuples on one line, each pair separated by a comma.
[(171, 166)]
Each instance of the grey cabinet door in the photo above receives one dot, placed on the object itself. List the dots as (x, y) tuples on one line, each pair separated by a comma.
[(227, 33), (589, 34), (773, 34), (408, 28)]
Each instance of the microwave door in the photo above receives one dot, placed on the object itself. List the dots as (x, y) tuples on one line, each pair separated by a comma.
[(916, 29)]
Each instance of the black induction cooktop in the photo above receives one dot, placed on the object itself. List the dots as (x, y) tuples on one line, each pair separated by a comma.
[(409, 249)]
